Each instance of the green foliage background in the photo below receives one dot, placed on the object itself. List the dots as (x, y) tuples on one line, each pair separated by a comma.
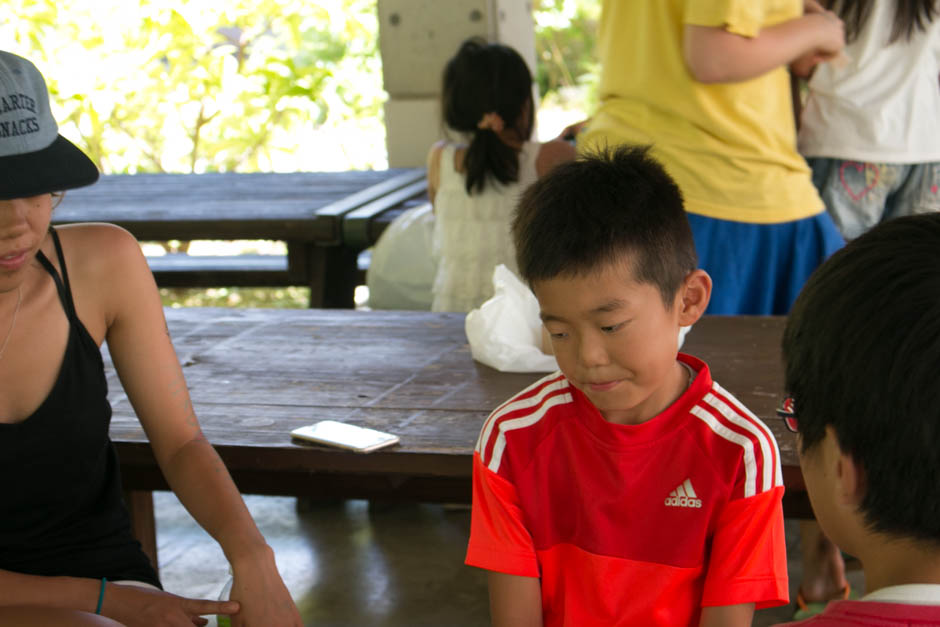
[(229, 85), (565, 36), (164, 85)]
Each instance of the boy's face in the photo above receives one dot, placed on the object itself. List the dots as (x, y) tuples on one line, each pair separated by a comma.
[(615, 340)]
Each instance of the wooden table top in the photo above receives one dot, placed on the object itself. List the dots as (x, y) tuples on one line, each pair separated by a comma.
[(298, 206), (254, 375)]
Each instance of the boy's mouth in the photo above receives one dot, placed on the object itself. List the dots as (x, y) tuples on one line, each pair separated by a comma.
[(603, 386)]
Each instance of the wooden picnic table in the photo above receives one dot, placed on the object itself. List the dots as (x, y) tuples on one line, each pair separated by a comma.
[(254, 375), (304, 209)]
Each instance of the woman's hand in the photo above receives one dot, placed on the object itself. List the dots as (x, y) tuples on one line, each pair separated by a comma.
[(832, 41), (813, 6), (261, 593), (830, 34), (570, 132), (135, 606)]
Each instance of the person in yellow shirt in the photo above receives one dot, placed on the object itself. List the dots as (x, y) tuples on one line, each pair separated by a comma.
[(706, 84)]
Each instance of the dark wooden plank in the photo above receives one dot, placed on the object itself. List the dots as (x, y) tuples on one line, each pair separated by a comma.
[(182, 262), (382, 221), (182, 270), (160, 207), (356, 224), (332, 216)]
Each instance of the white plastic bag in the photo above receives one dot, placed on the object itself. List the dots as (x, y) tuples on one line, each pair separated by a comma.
[(505, 332), (402, 268)]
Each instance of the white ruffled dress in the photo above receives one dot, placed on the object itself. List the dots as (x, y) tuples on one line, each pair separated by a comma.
[(471, 233)]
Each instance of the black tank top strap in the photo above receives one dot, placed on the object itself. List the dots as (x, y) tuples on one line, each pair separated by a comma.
[(64, 289)]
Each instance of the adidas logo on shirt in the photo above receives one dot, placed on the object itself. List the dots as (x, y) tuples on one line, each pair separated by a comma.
[(683, 496)]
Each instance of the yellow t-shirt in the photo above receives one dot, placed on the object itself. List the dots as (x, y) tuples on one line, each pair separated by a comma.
[(731, 147)]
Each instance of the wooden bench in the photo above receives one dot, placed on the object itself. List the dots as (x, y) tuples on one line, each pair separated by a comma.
[(183, 270), (363, 226)]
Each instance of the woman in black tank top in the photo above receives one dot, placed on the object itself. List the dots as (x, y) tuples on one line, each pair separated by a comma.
[(65, 534)]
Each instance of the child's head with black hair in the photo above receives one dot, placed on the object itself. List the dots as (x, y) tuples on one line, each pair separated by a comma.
[(487, 94), (862, 356), (594, 211), (605, 244)]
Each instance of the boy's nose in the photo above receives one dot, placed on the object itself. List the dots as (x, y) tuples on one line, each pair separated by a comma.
[(592, 352)]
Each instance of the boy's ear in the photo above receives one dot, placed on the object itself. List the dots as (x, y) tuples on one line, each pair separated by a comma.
[(693, 297), (849, 474)]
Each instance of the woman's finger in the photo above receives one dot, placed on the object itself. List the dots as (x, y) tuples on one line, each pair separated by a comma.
[(201, 607)]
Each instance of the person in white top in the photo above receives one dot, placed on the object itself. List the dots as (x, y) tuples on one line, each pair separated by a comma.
[(474, 186), (861, 351), (870, 128)]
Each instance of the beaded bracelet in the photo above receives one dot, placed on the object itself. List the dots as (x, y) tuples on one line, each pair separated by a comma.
[(104, 581)]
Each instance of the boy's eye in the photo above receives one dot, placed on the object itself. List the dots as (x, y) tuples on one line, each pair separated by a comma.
[(558, 336), (612, 328)]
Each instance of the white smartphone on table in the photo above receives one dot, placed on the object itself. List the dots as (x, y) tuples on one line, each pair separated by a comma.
[(342, 435)]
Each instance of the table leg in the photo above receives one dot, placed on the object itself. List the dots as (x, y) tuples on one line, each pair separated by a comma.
[(340, 277), (143, 525), (331, 273)]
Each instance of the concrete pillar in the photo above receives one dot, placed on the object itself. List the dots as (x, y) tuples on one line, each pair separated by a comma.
[(416, 38)]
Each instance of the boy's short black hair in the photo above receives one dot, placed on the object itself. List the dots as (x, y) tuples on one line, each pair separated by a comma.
[(862, 353), (597, 209)]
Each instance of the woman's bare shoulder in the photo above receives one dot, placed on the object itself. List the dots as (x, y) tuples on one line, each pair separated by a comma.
[(97, 239), (553, 153), (101, 251), (106, 267)]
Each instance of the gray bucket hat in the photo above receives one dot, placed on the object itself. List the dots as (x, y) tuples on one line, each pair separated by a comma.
[(34, 158)]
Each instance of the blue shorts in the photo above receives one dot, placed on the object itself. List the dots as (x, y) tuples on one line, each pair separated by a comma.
[(759, 269), (860, 195)]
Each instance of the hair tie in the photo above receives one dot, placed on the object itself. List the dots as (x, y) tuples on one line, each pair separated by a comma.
[(491, 121)]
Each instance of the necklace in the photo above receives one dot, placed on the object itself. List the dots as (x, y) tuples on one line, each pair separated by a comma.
[(19, 299)]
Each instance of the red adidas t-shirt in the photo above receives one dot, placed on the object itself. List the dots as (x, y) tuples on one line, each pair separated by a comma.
[(631, 524)]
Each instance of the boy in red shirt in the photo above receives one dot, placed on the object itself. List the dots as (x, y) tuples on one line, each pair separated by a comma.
[(862, 354), (629, 489)]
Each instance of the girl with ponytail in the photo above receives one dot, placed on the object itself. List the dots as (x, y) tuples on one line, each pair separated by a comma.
[(474, 183)]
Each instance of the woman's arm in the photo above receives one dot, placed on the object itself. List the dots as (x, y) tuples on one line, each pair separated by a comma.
[(74, 593), (714, 55), (515, 601), (552, 154), (130, 605), (147, 365)]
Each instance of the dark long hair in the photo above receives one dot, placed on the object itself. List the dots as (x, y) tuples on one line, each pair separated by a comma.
[(909, 16), (487, 78)]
